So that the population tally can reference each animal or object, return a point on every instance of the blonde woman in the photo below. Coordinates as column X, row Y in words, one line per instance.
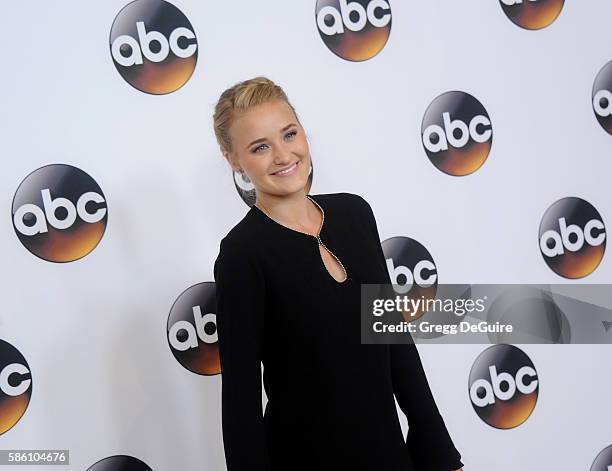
column 288, row 281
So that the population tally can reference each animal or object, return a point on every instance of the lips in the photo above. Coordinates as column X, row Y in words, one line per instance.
column 286, row 171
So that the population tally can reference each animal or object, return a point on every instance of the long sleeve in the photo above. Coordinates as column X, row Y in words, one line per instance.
column 240, row 309
column 428, row 440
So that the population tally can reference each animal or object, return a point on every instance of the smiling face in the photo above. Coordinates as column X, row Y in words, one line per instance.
column 267, row 139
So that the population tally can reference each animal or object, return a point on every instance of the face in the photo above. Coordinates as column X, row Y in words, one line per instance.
column 266, row 139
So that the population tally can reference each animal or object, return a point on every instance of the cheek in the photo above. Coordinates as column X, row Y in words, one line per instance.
column 260, row 166
column 254, row 164
column 301, row 146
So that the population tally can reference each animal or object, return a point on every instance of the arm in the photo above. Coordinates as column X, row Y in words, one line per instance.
column 428, row 440
column 240, row 309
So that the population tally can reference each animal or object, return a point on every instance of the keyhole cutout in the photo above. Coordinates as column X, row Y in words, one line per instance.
column 332, row 265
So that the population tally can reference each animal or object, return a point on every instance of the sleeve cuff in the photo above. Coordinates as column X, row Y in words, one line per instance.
column 432, row 452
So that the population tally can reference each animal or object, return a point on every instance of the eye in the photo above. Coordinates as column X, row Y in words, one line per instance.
column 256, row 149
column 289, row 136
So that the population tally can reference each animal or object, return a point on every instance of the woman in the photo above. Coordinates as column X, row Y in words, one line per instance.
column 288, row 281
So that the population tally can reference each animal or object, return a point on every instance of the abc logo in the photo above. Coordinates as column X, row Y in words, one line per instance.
column 572, row 237
column 602, row 97
column 456, row 133
column 411, row 269
column 15, row 386
column 119, row 462
column 153, row 46
column 603, row 462
column 532, row 14
column 246, row 190
column 503, row 386
column 192, row 330
column 59, row 213
column 355, row 30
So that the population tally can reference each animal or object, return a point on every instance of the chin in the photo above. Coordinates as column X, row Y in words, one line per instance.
column 289, row 187
column 297, row 184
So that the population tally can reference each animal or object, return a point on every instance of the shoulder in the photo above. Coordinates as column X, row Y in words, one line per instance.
column 354, row 209
column 236, row 263
column 236, row 247
column 245, row 234
column 345, row 201
column 243, row 229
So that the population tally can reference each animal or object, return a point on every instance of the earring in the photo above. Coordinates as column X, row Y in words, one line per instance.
column 244, row 176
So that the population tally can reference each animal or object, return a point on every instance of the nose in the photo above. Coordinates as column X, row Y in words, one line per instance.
column 282, row 156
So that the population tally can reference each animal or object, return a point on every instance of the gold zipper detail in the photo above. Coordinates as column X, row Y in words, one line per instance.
column 318, row 237
column 333, row 255
column 321, row 243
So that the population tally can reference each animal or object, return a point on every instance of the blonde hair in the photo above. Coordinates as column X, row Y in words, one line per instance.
column 239, row 98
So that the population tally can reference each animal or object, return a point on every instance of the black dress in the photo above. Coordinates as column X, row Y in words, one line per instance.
column 330, row 398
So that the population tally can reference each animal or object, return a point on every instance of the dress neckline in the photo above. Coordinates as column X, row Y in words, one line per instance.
column 317, row 237
column 311, row 236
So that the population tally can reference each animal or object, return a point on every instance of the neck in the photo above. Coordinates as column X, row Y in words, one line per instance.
column 292, row 210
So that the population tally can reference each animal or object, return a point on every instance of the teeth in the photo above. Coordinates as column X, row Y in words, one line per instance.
column 282, row 172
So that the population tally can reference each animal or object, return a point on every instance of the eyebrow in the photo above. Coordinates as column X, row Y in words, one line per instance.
column 256, row 141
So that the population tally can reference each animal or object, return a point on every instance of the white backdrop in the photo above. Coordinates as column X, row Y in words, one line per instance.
column 93, row 331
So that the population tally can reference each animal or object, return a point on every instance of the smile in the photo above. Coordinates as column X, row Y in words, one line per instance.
column 288, row 171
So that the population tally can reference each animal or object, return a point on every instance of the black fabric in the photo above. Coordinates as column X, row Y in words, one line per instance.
column 330, row 399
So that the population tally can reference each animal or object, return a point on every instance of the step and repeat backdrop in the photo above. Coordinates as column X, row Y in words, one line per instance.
column 479, row 131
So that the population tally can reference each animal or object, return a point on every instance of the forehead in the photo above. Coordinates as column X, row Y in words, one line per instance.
column 262, row 120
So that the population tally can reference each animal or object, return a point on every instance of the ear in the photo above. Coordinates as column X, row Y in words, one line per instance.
column 230, row 160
